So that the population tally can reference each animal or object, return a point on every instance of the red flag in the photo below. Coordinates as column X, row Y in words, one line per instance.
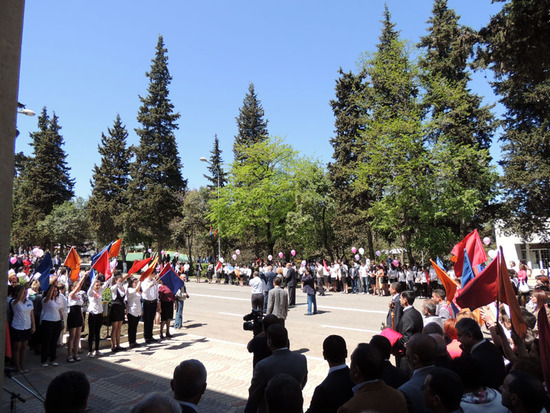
column 218, row 266
column 448, row 283
column 544, row 345
column 482, row 290
column 138, row 265
column 325, row 265
column 150, row 269
column 507, row 295
column 73, row 262
column 103, row 266
column 8, row 341
column 114, row 251
column 473, row 245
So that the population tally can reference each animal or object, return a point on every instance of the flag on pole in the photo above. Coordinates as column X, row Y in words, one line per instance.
column 149, row 269
column 73, row 262
column 170, row 279
column 210, row 233
column 482, row 290
column 139, row 264
column 507, row 295
column 218, row 266
column 114, row 251
column 467, row 271
column 102, row 265
column 473, row 245
column 216, row 232
column 326, row 267
column 44, row 269
column 448, row 283
column 440, row 263
column 95, row 258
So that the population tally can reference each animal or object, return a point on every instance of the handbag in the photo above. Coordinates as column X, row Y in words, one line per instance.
column 523, row 287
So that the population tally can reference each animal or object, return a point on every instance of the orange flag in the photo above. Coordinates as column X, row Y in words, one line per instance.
column 73, row 261
column 448, row 283
column 114, row 251
column 150, row 269
column 507, row 295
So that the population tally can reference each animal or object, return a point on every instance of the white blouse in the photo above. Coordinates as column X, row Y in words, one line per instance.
column 133, row 302
column 22, row 313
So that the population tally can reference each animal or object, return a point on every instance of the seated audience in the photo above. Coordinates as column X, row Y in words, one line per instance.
column 67, row 393
column 157, row 403
column 392, row 376
column 283, row 394
column 443, row 391
column 189, row 384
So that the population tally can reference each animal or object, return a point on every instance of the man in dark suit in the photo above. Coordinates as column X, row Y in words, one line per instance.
column 335, row 390
column 281, row 361
column 189, row 384
column 396, row 311
column 421, row 352
column 290, row 279
column 269, row 277
column 484, row 352
column 392, row 376
column 411, row 322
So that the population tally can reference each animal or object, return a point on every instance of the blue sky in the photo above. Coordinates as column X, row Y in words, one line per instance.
column 87, row 61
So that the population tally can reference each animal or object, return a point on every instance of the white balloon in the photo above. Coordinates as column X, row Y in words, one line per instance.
column 40, row 253
column 361, row 250
column 492, row 253
column 221, row 259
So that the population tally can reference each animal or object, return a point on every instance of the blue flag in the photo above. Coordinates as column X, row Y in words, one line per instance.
column 171, row 280
column 467, row 271
column 440, row 264
column 44, row 270
column 230, row 268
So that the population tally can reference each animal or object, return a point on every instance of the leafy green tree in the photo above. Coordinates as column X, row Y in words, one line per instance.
column 43, row 183
column 309, row 225
column 252, row 127
column 215, row 167
column 107, row 206
column 67, row 224
column 254, row 204
column 515, row 47
column 460, row 128
column 156, row 188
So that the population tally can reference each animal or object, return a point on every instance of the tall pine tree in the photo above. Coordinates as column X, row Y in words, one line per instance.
column 215, row 167
column 460, row 128
column 252, row 127
column 108, row 203
column 44, row 183
column 394, row 162
column 350, row 225
column 157, row 187
column 516, row 45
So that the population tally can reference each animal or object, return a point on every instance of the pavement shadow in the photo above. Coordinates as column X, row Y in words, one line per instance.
column 196, row 325
column 115, row 385
column 301, row 351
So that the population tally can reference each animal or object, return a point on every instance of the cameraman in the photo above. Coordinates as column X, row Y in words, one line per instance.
column 258, row 345
column 258, row 290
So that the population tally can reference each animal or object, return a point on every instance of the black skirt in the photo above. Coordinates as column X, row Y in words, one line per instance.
column 166, row 310
column 117, row 312
column 74, row 319
column 19, row 335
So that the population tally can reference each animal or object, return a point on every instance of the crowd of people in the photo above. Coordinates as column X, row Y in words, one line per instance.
column 442, row 360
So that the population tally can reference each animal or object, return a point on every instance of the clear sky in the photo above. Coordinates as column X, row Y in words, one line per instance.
column 87, row 61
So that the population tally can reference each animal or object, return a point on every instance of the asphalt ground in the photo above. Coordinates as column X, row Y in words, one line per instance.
column 213, row 334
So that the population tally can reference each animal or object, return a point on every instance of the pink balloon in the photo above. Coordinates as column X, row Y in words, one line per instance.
column 357, row 257
column 238, row 252
column 378, row 253
column 162, row 252
column 395, row 263
column 13, row 260
column 234, row 256
column 270, row 257
column 293, row 253
column 353, row 250
column 281, row 255
column 486, row 240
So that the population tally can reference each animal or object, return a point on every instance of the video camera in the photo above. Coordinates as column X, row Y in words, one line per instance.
column 253, row 322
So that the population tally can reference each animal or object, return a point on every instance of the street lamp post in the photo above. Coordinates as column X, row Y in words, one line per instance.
column 203, row 159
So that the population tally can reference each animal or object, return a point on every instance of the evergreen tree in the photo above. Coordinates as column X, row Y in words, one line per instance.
column 460, row 127
column 394, row 162
column 215, row 166
column 43, row 183
column 157, row 186
column 252, row 128
column 516, row 45
column 108, row 203
column 349, row 224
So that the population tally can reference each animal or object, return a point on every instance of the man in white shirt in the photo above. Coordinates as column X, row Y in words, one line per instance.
column 258, row 289
column 149, row 294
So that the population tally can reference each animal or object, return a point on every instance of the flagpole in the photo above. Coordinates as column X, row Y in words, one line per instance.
column 499, row 257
